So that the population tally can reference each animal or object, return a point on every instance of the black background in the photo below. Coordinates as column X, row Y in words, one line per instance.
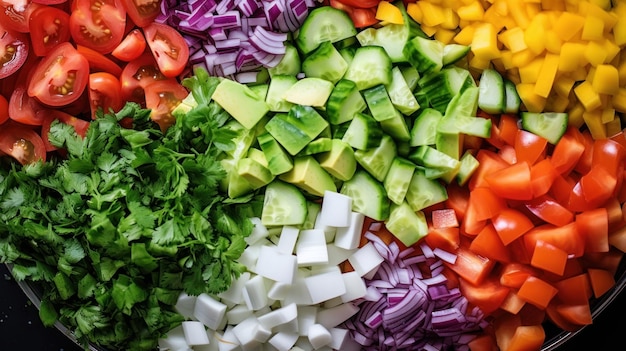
column 21, row 329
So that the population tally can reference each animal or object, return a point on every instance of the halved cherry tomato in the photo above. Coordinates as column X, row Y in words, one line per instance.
column 15, row 17
column 161, row 97
column 99, row 62
column 14, row 49
column 136, row 75
column 364, row 4
column 24, row 108
column 98, row 24
column 4, row 109
column 104, row 93
column 60, row 77
column 131, row 47
column 142, row 13
column 79, row 125
column 49, row 26
column 168, row 47
column 22, row 143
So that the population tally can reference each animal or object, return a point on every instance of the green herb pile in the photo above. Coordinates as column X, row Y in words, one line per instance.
column 116, row 230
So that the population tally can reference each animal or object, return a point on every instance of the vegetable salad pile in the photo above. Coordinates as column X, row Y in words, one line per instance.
column 167, row 169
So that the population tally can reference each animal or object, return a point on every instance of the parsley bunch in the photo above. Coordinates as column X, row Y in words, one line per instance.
column 116, row 230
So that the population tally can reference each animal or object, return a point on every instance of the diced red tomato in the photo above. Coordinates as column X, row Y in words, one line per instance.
column 104, row 93
column 142, row 13
column 488, row 244
column 168, row 47
column 488, row 295
column 568, row 151
column 161, row 97
column 529, row 147
column 549, row 210
column 512, row 182
column 471, row 266
column 48, row 27
column 514, row 274
column 22, row 143
column 537, row 292
column 131, row 47
column 511, row 224
column 4, row 109
column 98, row 24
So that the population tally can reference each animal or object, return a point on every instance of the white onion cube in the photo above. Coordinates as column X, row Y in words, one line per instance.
column 355, row 286
column 279, row 316
column 209, row 311
column 349, row 237
column 332, row 317
column 237, row 314
column 234, row 294
column 319, row 336
column 255, row 293
column 174, row 339
column 195, row 333
column 336, row 209
column 284, row 341
column 251, row 334
column 279, row 291
column 325, row 286
column 311, row 247
column 366, row 259
column 340, row 337
column 227, row 341
column 259, row 231
column 277, row 266
column 336, row 255
column 288, row 238
column 185, row 305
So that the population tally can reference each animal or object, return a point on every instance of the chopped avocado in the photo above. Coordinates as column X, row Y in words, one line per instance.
column 254, row 172
column 339, row 161
column 307, row 174
column 309, row 91
column 294, row 130
column 240, row 102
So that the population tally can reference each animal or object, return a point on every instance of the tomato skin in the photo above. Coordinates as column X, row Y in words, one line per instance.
column 488, row 295
column 529, row 147
column 512, row 182
column 168, row 47
column 549, row 210
column 131, row 47
column 14, row 48
column 142, row 13
column 136, row 75
column 91, row 18
column 22, row 143
column 104, row 93
column 4, row 109
column 64, row 65
column 161, row 97
column 363, row 4
column 99, row 62
column 48, row 26
column 79, row 125
column 16, row 20
column 23, row 108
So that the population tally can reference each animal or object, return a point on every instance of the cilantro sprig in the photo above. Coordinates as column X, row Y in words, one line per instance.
column 129, row 219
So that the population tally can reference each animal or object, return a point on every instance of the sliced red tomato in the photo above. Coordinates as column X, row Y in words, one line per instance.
column 136, row 75
column 16, row 17
column 564, row 237
column 99, row 62
column 60, row 77
column 98, row 24
column 142, row 13
column 574, row 290
column 161, row 98
column 4, row 109
column 488, row 244
column 514, row 274
column 23, row 108
column 22, row 143
column 104, row 93
column 49, row 26
column 168, row 47
column 568, row 151
column 131, row 47
column 14, row 49
column 364, row 4
column 79, row 125
column 470, row 266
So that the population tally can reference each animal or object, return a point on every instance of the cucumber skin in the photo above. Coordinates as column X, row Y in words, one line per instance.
column 310, row 37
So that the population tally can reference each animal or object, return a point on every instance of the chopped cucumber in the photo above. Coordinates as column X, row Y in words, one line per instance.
column 325, row 62
column 426, row 55
column 452, row 53
column 324, row 24
column 491, row 95
column 279, row 84
column 344, row 102
column 363, row 132
column 396, row 127
column 549, row 125
column 370, row 66
column 368, row 195
column 378, row 160
column 407, row 225
column 398, row 178
column 401, row 94
column 289, row 64
column 283, row 204
column 512, row 99
column 424, row 192
column 424, row 128
column 278, row 160
column 379, row 103
column 294, row 130
column 442, row 86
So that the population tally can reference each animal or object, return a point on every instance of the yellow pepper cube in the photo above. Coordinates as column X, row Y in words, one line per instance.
column 534, row 35
column 613, row 127
column 518, row 13
column 571, row 57
column 444, row 35
column 553, row 42
column 593, row 121
column 611, row 49
column 513, row 39
column 464, row 37
column 556, row 103
column 619, row 30
column 608, row 114
column 388, row 12
column 532, row 101
column 569, row 25
column 608, row 18
column 595, row 53
column 485, row 42
column 415, row 12
column 472, row 12
column 618, row 101
column 587, row 96
column 522, row 58
column 593, row 28
column 433, row 14
column 575, row 115
column 529, row 73
column 547, row 73
column 563, row 85
column 553, row 5
column 605, row 79
column 451, row 19
column 506, row 58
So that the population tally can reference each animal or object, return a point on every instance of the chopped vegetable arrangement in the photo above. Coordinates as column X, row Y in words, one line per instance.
column 295, row 174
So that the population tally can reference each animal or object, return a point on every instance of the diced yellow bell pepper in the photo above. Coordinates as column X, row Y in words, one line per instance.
column 613, row 127
column 563, row 85
column 529, row 73
column 553, row 5
column 557, row 103
column 619, row 30
column 517, row 12
column 608, row 114
column 445, row 35
column 432, row 13
column 451, row 19
column 522, row 58
column 513, row 39
column 472, row 12
column 485, row 41
column 593, row 28
column 553, row 42
column 605, row 79
column 569, row 25
column 464, row 37
column 575, row 115
column 571, row 57
column 593, row 121
column 532, row 101
column 548, row 71
column 587, row 96
column 389, row 13
column 534, row 35
column 611, row 49
column 594, row 53
column 415, row 12
column 619, row 100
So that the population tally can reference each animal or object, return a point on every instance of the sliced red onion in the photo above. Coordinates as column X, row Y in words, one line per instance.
column 409, row 306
